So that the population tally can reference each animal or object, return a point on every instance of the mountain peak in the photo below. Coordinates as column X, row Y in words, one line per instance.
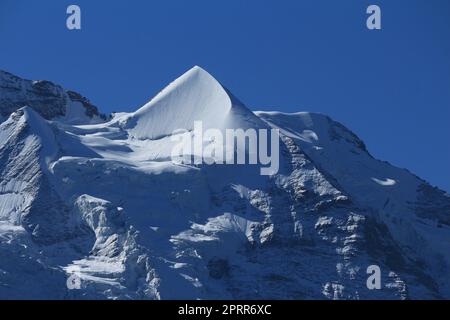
column 194, row 96
column 197, row 68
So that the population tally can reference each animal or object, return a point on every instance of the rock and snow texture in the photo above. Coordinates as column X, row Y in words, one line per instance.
column 104, row 203
column 195, row 96
column 49, row 100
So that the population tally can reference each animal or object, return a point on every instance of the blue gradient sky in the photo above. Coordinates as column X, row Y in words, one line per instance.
column 391, row 87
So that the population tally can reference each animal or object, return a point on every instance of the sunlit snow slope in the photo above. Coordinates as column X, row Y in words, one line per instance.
column 101, row 201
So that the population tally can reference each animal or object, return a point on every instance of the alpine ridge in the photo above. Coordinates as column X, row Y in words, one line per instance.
column 98, row 199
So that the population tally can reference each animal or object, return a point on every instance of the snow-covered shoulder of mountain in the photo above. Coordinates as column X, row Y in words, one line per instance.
column 392, row 193
column 103, row 202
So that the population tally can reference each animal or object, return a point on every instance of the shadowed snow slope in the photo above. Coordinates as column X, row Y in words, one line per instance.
column 105, row 204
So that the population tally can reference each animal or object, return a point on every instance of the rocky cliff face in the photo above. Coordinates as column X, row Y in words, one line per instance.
column 51, row 101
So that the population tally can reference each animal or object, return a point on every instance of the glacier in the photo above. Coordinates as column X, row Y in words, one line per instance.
column 98, row 198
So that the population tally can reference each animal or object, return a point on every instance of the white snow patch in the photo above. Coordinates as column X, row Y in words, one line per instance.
column 386, row 182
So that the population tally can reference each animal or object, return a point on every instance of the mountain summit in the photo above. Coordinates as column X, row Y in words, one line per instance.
column 99, row 202
column 194, row 96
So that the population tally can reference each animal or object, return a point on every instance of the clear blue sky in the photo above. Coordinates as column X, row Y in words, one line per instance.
column 391, row 87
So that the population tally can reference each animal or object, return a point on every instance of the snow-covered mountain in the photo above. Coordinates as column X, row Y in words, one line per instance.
column 99, row 201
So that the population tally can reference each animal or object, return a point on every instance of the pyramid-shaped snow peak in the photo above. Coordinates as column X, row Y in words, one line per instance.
column 195, row 96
